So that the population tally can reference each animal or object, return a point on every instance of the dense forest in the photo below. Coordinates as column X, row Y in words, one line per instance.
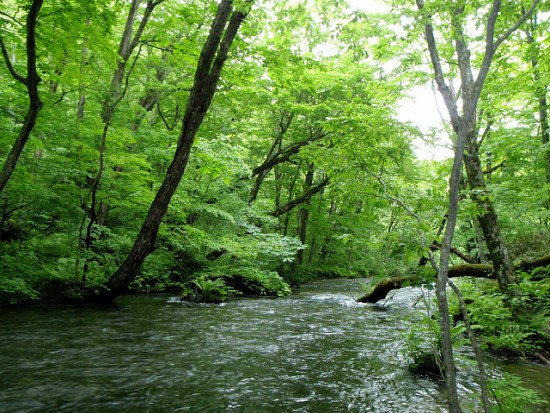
column 216, row 149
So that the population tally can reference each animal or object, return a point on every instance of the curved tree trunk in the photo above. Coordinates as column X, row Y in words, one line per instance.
column 211, row 62
column 31, row 82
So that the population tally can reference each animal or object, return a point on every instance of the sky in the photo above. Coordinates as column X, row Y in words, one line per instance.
column 375, row 6
column 424, row 108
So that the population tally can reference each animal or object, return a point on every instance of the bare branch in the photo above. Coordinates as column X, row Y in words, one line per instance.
column 300, row 200
column 448, row 96
column 520, row 21
column 11, row 69
column 63, row 94
column 12, row 18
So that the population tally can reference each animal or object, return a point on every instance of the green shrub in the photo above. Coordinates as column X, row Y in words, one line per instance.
column 248, row 280
column 510, row 396
column 508, row 324
column 210, row 290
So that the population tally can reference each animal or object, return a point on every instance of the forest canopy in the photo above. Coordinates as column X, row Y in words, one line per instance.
column 261, row 138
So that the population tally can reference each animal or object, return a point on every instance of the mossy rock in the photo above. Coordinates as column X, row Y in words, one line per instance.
column 425, row 364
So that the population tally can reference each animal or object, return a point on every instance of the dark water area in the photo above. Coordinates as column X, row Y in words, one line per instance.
column 315, row 351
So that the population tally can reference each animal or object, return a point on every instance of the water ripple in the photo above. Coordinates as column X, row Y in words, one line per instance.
column 315, row 351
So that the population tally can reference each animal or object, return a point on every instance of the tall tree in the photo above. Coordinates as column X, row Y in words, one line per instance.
column 31, row 81
column 541, row 92
column 128, row 43
column 304, row 213
column 224, row 28
column 463, row 122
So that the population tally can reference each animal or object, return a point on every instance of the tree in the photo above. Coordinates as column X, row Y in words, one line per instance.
column 541, row 91
column 211, row 61
column 31, row 81
column 119, row 84
column 464, row 127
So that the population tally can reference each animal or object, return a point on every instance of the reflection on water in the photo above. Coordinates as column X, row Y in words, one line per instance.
column 317, row 351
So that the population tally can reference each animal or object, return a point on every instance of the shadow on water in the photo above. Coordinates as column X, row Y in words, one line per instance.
column 316, row 351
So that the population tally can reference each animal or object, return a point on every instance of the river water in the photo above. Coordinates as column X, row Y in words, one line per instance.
column 315, row 351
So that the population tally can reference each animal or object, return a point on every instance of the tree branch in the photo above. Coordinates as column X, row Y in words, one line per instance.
column 11, row 69
column 520, row 21
column 284, row 154
column 300, row 200
column 446, row 92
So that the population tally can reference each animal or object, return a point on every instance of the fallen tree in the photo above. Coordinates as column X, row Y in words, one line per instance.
column 381, row 289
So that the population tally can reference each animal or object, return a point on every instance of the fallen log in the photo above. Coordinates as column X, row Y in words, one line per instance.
column 471, row 270
column 530, row 265
column 381, row 290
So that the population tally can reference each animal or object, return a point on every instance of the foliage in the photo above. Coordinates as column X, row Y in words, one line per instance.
column 250, row 280
column 310, row 94
column 159, row 273
column 210, row 290
column 422, row 340
column 217, row 284
column 509, row 325
column 422, row 344
column 335, row 76
column 511, row 397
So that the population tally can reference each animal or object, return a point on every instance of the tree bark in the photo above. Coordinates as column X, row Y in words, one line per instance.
column 81, row 88
column 529, row 265
column 211, row 62
column 305, row 197
column 471, row 90
column 304, row 215
column 291, row 188
column 31, row 81
column 381, row 289
column 488, row 221
column 117, row 90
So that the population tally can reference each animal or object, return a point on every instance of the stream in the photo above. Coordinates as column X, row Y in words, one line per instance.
column 315, row 351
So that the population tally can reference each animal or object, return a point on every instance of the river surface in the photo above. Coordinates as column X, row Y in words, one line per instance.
column 315, row 351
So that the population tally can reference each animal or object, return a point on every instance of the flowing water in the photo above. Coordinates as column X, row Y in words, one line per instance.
column 315, row 351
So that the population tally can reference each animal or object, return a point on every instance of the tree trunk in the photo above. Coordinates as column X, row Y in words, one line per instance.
column 497, row 249
column 541, row 96
column 81, row 88
column 479, row 240
column 462, row 124
column 117, row 91
column 31, row 82
column 304, row 215
column 291, row 188
column 211, row 61
column 381, row 289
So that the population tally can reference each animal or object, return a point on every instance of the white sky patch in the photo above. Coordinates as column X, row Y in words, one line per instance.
column 427, row 111
column 371, row 6
column 423, row 108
